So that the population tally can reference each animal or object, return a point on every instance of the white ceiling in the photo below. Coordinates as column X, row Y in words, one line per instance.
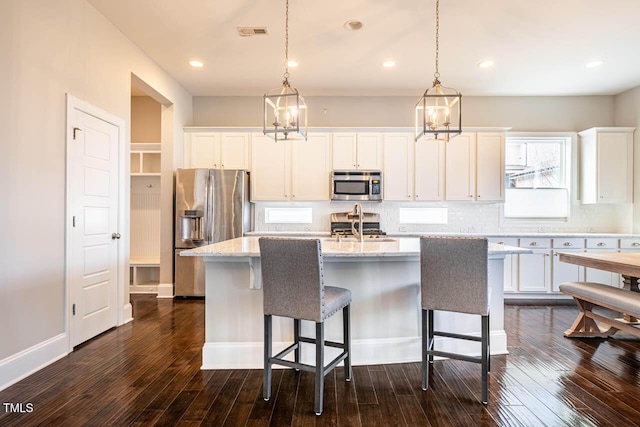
column 540, row 47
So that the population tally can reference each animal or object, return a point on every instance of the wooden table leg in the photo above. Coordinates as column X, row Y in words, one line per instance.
column 630, row 283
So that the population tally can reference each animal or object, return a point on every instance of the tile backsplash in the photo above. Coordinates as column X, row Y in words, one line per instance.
column 462, row 217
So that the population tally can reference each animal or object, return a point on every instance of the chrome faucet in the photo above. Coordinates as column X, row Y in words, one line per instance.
column 357, row 212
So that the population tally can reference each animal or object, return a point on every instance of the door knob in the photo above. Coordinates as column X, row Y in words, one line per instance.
column 115, row 236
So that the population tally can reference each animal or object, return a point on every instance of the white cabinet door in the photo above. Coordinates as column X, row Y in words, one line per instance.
column 369, row 151
column 398, row 166
column 606, row 165
column 270, row 169
column 615, row 168
column 490, row 167
column 311, row 168
column 534, row 271
column 565, row 272
column 202, row 150
column 510, row 264
column 602, row 276
column 429, row 169
column 234, row 151
column 344, row 151
column 460, row 167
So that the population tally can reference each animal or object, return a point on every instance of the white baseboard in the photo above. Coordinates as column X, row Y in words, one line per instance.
column 249, row 355
column 127, row 314
column 165, row 290
column 22, row 364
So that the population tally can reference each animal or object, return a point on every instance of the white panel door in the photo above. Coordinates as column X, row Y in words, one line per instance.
column 234, row 151
column 564, row 271
column 398, row 166
column 311, row 168
column 490, row 167
column 534, row 271
column 93, row 247
column 615, row 154
column 204, row 151
column 344, row 151
column 460, row 167
column 270, row 175
column 429, row 167
column 369, row 151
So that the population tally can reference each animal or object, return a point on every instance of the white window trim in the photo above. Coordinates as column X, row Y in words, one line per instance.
column 571, row 174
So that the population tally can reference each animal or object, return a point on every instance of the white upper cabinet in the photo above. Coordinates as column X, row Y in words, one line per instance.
column 290, row 170
column 460, row 155
column 311, row 168
column 398, row 166
column 269, row 169
column 429, row 170
column 607, row 165
column 357, row 151
column 475, row 167
column 217, row 150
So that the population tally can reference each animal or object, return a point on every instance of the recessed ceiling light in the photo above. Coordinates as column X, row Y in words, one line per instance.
column 292, row 63
column 595, row 63
column 389, row 63
column 197, row 64
column 486, row 64
column 352, row 25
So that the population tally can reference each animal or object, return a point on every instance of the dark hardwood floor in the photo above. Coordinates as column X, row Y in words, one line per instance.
column 148, row 373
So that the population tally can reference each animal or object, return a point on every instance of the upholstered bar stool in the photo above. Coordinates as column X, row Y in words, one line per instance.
column 454, row 277
column 293, row 286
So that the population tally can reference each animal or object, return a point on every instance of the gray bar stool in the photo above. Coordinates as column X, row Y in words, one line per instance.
column 293, row 286
column 454, row 277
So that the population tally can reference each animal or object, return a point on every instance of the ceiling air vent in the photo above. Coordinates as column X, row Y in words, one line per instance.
column 252, row 31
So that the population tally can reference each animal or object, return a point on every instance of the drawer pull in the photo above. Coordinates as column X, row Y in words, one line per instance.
column 501, row 243
column 533, row 244
column 568, row 244
column 601, row 244
column 635, row 244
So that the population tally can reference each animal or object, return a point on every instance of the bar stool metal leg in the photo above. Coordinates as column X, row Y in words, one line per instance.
column 319, row 367
column 346, row 321
column 296, row 340
column 425, row 347
column 485, row 358
column 266, row 393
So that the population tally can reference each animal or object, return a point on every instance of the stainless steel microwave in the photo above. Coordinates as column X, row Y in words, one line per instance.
column 356, row 185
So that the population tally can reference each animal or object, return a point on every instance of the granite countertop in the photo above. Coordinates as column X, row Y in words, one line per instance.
column 584, row 235
column 397, row 247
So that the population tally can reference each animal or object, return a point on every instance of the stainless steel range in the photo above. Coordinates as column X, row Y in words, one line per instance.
column 341, row 224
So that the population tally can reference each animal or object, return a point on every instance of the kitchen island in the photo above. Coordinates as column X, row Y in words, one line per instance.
column 384, row 278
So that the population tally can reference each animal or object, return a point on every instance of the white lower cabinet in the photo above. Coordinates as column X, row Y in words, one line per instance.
column 510, row 263
column 602, row 276
column 562, row 271
column 534, row 269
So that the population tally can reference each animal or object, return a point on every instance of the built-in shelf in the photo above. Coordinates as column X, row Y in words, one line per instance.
column 144, row 276
column 145, row 160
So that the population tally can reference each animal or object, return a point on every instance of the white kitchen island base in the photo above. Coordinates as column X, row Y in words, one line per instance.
column 385, row 310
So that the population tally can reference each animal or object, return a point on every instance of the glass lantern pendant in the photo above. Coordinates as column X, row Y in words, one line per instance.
column 285, row 112
column 439, row 111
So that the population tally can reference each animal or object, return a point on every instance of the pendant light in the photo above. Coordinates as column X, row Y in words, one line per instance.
column 285, row 112
column 439, row 111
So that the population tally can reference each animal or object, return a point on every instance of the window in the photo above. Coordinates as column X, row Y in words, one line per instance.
column 288, row 215
column 536, row 177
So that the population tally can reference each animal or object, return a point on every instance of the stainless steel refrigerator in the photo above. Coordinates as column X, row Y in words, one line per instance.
column 211, row 205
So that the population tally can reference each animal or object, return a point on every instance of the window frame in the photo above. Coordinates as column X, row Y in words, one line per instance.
column 569, row 155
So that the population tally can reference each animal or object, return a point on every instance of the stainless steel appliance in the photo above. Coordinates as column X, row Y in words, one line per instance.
column 210, row 206
column 341, row 224
column 356, row 185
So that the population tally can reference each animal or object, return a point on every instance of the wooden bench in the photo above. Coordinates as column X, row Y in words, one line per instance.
column 588, row 295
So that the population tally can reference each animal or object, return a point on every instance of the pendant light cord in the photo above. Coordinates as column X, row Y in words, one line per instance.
column 286, row 45
column 437, row 73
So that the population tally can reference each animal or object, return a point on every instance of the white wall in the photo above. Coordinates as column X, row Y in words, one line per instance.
column 49, row 48
column 561, row 113
column 145, row 119
column 627, row 113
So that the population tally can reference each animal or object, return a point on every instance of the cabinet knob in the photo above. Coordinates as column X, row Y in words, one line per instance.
column 478, row 196
column 222, row 165
column 602, row 197
column 470, row 195
column 358, row 165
